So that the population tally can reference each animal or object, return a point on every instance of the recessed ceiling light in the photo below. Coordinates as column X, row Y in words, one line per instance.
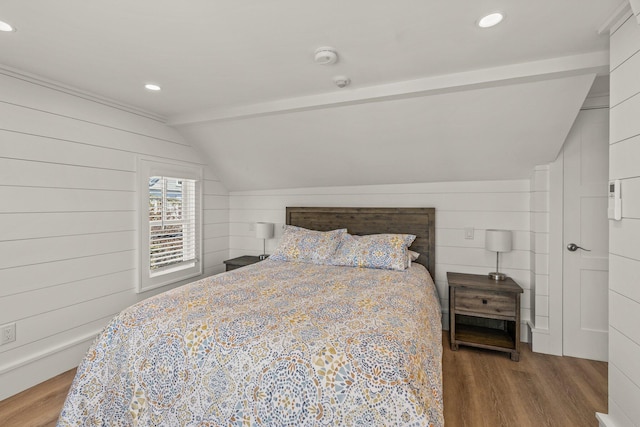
column 153, row 87
column 490, row 20
column 6, row 27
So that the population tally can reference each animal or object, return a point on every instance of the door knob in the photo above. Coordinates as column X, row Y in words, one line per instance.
column 572, row 247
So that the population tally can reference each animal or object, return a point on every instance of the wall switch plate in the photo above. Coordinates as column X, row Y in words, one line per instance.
column 468, row 233
column 7, row 333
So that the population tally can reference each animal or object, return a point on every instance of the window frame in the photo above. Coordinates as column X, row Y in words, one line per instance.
column 159, row 167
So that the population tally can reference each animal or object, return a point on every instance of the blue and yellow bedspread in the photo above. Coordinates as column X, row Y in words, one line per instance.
column 272, row 344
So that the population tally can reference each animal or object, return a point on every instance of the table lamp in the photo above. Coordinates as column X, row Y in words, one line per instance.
column 498, row 241
column 264, row 231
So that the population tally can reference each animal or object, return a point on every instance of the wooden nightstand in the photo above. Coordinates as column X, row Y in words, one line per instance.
column 484, row 313
column 241, row 261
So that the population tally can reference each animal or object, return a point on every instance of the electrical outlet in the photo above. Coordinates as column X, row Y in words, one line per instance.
column 468, row 233
column 7, row 333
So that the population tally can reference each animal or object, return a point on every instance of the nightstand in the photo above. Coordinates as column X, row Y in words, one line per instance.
column 241, row 261
column 484, row 313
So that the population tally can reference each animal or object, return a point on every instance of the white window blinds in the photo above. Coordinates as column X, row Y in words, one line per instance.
column 170, row 223
column 172, row 217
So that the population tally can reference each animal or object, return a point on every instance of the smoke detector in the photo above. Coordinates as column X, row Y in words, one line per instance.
column 341, row 81
column 326, row 56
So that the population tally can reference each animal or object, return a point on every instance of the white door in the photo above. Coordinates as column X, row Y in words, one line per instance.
column 585, row 274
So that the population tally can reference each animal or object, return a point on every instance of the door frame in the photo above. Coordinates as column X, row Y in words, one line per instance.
column 556, row 254
column 549, row 340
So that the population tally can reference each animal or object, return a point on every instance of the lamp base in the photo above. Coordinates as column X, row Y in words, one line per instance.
column 497, row 276
column 263, row 257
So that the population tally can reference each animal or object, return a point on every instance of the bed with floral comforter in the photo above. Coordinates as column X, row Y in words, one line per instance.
column 271, row 344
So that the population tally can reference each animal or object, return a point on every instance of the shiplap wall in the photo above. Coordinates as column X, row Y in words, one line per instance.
column 540, row 248
column 479, row 205
column 68, row 224
column 624, row 235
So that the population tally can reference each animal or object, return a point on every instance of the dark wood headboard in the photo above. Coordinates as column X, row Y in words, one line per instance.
column 361, row 221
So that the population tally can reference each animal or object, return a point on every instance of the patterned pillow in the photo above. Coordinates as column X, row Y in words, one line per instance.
column 385, row 251
column 300, row 244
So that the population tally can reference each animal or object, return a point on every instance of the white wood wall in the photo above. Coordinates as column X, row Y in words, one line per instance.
column 480, row 205
column 540, row 248
column 68, row 222
column 624, row 240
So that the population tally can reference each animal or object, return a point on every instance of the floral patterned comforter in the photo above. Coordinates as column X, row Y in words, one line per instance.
column 271, row 344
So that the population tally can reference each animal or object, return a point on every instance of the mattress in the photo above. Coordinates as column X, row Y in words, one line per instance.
column 271, row 344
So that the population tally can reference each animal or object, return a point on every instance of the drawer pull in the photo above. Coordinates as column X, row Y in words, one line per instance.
column 484, row 301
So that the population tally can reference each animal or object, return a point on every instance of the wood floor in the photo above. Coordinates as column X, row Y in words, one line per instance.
column 481, row 388
column 37, row 406
column 484, row 388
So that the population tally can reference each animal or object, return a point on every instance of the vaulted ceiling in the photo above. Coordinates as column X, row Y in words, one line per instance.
column 432, row 97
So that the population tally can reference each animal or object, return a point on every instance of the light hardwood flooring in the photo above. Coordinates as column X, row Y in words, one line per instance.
column 481, row 388
column 38, row 406
column 485, row 388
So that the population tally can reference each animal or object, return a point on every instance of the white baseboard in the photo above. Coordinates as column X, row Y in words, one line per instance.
column 540, row 340
column 604, row 420
column 36, row 368
column 524, row 332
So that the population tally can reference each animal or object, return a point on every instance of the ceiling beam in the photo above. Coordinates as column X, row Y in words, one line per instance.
column 595, row 62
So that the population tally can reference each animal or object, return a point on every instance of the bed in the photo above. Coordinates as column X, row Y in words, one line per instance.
column 278, row 343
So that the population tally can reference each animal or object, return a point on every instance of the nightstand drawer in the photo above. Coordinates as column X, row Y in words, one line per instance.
column 485, row 303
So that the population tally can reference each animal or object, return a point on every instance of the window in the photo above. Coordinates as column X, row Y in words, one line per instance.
column 170, row 223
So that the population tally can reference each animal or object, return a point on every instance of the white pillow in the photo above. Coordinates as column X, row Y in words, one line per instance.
column 411, row 256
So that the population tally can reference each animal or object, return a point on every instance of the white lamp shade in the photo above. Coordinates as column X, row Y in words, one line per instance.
column 264, row 230
column 498, row 240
